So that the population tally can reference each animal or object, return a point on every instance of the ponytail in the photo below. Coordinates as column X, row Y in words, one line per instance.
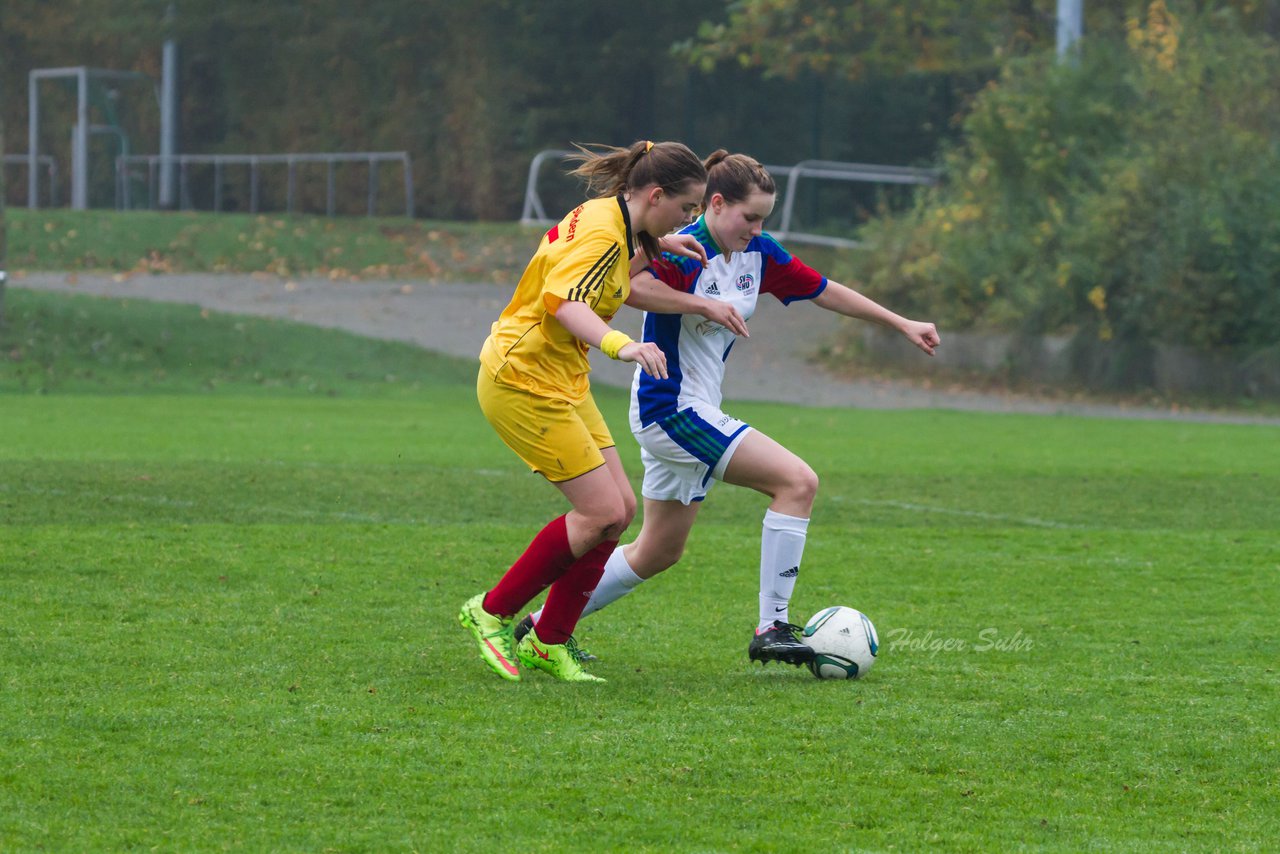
column 609, row 171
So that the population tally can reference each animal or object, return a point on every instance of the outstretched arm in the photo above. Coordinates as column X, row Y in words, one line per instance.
column 843, row 300
column 649, row 294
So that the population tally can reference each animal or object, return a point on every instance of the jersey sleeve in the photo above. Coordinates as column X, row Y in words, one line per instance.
column 676, row 271
column 786, row 276
column 581, row 274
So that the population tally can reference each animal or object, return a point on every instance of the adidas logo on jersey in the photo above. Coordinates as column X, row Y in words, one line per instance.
column 711, row 290
column 790, row 573
column 708, row 327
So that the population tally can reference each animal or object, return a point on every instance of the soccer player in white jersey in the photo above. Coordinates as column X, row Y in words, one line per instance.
column 686, row 441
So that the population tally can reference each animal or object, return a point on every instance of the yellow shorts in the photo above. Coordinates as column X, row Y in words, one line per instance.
column 555, row 438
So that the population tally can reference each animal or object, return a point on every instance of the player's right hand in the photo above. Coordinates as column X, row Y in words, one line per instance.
column 647, row 355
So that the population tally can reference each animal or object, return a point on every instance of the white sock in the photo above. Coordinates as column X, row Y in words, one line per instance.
column 617, row 581
column 781, row 548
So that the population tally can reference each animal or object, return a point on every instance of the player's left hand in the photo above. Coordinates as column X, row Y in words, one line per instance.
column 683, row 244
column 726, row 315
column 923, row 335
column 647, row 355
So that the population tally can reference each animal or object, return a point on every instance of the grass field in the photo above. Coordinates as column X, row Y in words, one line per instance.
column 143, row 242
column 232, row 551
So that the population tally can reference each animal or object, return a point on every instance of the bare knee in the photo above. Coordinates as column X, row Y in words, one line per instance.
column 807, row 485
column 620, row 519
column 628, row 510
column 608, row 520
column 799, row 489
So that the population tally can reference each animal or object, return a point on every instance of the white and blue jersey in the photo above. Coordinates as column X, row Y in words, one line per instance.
column 681, row 413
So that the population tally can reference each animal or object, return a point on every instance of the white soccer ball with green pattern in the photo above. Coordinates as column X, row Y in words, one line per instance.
column 844, row 643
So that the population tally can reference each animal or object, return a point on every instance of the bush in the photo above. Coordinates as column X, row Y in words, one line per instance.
column 1132, row 195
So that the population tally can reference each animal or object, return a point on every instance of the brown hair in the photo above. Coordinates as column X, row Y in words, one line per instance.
column 609, row 171
column 735, row 176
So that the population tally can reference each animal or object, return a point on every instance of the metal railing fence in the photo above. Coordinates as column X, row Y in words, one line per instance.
column 47, row 165
column 534, row 213
column 125, row 175
column 831, row 170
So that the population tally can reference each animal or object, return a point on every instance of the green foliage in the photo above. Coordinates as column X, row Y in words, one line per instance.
column 470, row 90
column 787, row 38
column 227, row 621
column 868, row 37
column 1133, row 195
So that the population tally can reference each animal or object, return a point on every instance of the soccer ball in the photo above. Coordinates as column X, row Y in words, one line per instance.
column 844, row 643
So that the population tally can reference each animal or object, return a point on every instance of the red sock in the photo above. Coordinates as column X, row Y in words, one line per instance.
column 545, row 560
column 570, row 593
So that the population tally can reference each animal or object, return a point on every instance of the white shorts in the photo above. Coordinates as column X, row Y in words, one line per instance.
column 685, row 452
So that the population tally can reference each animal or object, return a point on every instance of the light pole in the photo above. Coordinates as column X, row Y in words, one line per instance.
column 168, row 113
column 4, row 234
column 1070, row 26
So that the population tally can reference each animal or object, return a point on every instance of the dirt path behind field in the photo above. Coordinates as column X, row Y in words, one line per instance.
column 454, row 319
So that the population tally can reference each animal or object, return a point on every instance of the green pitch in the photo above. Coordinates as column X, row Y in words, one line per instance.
column 228, row 587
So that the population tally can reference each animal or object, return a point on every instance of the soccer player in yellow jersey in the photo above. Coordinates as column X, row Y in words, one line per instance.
column 534, row 390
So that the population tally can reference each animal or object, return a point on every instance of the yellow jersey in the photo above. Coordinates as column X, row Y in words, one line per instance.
column 586, row 257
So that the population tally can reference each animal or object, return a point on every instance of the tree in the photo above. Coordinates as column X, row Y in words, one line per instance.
column 871, row 37
column 1133, row 197
column 886, row 37
column 4, row 234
